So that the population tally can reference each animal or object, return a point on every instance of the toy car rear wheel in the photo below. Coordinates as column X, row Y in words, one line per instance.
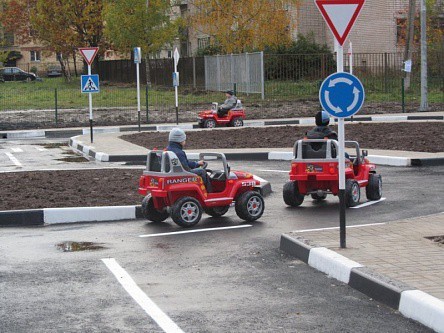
column 250, row 206
column 373, row 189
column 186, row 212
column 237, row 122
column 217, row 211
column 352, row 193
column 150, row 212
column 318, row 197
column 291, row 194
column 209, row 123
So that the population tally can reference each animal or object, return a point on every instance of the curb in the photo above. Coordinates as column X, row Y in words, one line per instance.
column 257, row 156
column 411, row 302
column 63, row 133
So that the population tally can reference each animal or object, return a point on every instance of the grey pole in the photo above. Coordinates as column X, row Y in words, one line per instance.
column 424, row 98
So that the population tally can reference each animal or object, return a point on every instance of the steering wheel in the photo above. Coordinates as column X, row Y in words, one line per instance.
column 204, row 166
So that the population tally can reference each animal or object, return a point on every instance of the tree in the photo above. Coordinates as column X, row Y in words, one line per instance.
column 243, row 25
column 140, row 23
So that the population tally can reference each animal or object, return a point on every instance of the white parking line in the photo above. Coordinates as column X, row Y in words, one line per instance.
column 271, row 170
column 14, row 160
column 196, row 230
column 17, row 150
column 368, row 203
column 41, row 148
column 349, row 226
column 140, row 297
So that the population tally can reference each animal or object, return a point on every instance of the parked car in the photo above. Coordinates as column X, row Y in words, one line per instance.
column 54, row 71
column 16, row 74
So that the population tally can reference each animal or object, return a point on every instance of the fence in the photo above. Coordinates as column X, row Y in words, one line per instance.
column 290, row 90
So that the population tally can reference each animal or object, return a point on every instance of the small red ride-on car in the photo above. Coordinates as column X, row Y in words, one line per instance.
column 169, row 190
column 314, row 171
column 235, row 117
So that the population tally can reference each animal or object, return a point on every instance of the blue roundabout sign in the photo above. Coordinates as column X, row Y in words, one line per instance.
column 342, row 95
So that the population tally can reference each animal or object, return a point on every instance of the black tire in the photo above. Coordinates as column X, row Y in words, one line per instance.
column 237, row 122
column 291, row 194
column 250, row 206
column 317, row 197
column 352, row 193
column 150, row 212
column 217, row 211
column 373, row 189
column 209, row 123
column 201, row 125
column 186, row 212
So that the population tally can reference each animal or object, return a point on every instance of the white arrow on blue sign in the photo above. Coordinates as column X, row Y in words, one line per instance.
column 342, row 95
column 90, row 84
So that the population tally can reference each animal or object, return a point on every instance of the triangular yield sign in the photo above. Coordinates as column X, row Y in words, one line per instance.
column 340, row 15
column 89, row 53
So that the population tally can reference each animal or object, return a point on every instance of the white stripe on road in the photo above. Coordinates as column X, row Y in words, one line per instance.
column 349, row 226
column 368, row 203
column 17, row 150
column 14, row 160
column 140, row 297
column 271, row 170
column 196, row 230
column 41, row 148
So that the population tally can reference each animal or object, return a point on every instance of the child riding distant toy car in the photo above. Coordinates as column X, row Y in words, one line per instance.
column 314, row 171
column 210, row 118
column 169, row 190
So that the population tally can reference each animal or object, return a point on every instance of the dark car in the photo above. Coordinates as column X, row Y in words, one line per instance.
column 16, row 74
column 54, row 71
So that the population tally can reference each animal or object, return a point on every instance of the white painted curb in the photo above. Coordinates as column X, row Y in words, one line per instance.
column 389, row 160
column 280, row 156
column 101, row 130
column 422, row 307
column 392, row 118
column 170, row 127
column 254, row 124
column 88, row 214
column 332, row 263
column 102, row 157
column 25, row 134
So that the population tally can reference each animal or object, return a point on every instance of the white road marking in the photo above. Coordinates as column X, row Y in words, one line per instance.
column 14, row 160
column 271, row 170
column 334, row 228
column 17, row 150
column 368, row 203
column 196, row 230
column 140, row 297
column 41, row 148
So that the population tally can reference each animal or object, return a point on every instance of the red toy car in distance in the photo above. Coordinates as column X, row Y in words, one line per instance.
column 235, row 117
column 314, row 171
column 169, row 190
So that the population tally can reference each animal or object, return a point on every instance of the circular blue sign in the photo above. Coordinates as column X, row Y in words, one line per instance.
column 342, row 95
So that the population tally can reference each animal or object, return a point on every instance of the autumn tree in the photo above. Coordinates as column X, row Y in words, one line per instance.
column 140, row 23
column 244, row 25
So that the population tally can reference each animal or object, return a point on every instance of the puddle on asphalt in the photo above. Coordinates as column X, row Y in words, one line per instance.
column 78, row 246
column 437, row 239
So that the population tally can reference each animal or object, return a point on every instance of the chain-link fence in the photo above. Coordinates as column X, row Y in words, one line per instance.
column 290, row 90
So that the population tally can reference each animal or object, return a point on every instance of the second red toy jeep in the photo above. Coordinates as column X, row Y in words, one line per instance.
column 169, row 190
column 235, row 117
column 314, row 171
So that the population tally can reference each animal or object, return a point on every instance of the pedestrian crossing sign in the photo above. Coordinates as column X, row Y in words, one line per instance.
column 90, row 83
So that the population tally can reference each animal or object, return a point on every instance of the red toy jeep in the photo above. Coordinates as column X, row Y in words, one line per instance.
column 314, row 171
column 235, row 117
column 170, row 190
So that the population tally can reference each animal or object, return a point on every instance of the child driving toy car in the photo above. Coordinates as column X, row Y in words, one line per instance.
column 177, row 140
column 229, row 103
column 322, row 130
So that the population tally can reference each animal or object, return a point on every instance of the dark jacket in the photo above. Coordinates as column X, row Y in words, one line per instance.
column 321, row 132
column 177, row 149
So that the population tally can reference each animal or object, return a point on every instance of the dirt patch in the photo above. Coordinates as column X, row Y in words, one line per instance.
column 437, row 240
column 423, row 137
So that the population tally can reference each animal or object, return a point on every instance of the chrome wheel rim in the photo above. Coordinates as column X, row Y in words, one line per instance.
column 237, row 123
column 355, row 192
column 254, row 206
column 189, row 212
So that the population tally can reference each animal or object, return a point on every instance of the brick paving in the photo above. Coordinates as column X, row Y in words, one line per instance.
column 399, row 250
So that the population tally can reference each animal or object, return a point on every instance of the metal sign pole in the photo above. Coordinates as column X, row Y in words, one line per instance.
column 176, row 57
column 341, row 138
column 138, row 93
column 90, row 109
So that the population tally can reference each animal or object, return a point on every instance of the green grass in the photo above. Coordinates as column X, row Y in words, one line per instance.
column 41, row 95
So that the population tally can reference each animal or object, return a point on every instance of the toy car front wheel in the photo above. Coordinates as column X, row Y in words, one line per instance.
column 291, row 194
column 217, row 211
column 373, row 190
column 209, row 123
column 352, row 193
column 250, row 206
column 150, row 212
column 186, row 212
column 237, row 122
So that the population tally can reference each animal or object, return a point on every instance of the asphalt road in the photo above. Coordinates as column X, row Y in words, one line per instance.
column 230, row 280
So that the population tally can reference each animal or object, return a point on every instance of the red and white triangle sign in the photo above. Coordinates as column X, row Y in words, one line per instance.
column 89, row 53
column 340, row 15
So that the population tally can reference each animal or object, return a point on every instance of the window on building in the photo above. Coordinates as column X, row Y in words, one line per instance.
column 35, row 55
column 203, row 42
column 169, row 54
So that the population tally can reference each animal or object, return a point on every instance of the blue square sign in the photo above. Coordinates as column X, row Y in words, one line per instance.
column 90, row 83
